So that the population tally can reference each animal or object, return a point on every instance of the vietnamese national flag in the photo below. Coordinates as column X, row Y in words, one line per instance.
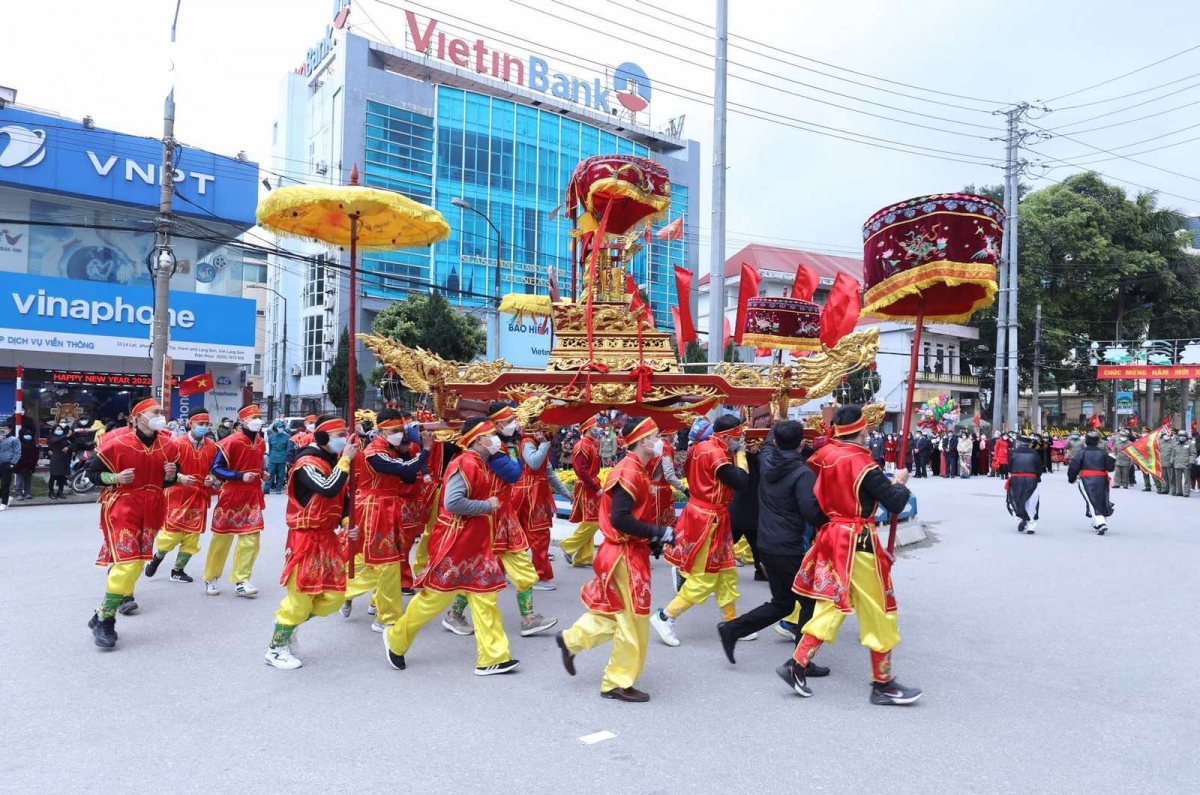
column 747, row 289
column 683, row 297
column 1096, row 422
column 196, row 384
column 672, row 231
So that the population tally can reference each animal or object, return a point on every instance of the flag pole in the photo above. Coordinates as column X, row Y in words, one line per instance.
column 908, row 401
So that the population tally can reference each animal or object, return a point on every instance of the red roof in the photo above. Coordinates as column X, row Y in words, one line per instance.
column 774, row 258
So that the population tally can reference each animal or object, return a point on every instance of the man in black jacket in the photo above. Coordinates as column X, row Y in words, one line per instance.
column 1090, row 467
column 788, row 515
column 1022, row 485
column 923, row 448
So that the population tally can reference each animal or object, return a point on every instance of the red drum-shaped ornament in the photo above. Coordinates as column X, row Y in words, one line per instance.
column 636, row 188
column 941, row 249
column 788, row 323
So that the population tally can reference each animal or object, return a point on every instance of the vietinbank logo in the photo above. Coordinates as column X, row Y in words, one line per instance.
column 630, row 83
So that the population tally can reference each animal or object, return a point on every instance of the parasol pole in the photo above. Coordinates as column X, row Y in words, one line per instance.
column 908, row 402
column 351, row 364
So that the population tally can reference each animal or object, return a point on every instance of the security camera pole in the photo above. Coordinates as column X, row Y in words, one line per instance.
column 164, row 258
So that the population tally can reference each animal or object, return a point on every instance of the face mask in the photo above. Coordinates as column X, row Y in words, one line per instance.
column 27, row 438
column 397, row 439
column 228, row 424
column 58, row 432
column 254, row 426
column 157, row 423
column 658, row 447
column 493, row 445
column 201, row 431
column 310, row 427
column 337, row 445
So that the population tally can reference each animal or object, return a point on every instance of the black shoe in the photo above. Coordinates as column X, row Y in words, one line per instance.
column 1102, row 529
column 127, row 607
column 728, row 641
column 812, row 669
column 152, row 566
column 893, row 693
column 408, row 591
column 499, row 668
column 179, row 575
column 791, row 673
column 1021, row 526
column 568, row 659
column 627, row 694
column 758, row 574
column 104, row 631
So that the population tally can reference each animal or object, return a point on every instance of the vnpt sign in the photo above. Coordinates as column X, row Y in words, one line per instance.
column 630, row 84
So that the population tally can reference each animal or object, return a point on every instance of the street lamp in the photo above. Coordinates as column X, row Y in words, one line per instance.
column 463, row 204
column 280, row 383
column 1121, row 313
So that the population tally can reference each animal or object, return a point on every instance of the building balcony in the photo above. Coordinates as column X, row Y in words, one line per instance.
column 948, row 379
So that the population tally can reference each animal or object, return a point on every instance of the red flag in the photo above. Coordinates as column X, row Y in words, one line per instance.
column 804, row 286
column 196, row 385
column 764, row 351
column 728, row 334
column 672, row 231
column 636, row 305
column 1096, row 422
column 552, row 285
column 683, row 295
column 646, row 235
column 747, row 289
column 978, row 419
column 840, row 313
column 1145, row 453
column 1167, row 421
column 678, row 329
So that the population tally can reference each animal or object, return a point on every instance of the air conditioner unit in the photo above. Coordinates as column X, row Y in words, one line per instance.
column 322, row 169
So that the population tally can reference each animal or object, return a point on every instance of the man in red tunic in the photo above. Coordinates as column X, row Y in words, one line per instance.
column 664, row 483
column 319, row 533
column 133, row 468
column 188, row 500
column 241, row 466
column 703, row 548
column 381, row 474
column 534, row 494
column 461, row 557
column 847, row 570
column 618, row 597
column 301, row 438
column 579, row 548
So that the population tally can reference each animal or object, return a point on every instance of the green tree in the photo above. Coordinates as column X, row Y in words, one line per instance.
column 694, row 354
column 337, row 383
column 429, row 321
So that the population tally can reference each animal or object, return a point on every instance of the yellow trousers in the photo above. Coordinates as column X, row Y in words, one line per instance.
column 122, row 577
column 188, row 543
column 629, row 633
column 243, row 557
column 297, row 607
column 385, row 580
column 581, row 545
column 519, row 568
column 422, row 558
column 700, row 585
column 491, row 644
column 878, row 629
column 743, row 552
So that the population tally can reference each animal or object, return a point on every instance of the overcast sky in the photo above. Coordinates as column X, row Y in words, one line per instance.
column 787, row 186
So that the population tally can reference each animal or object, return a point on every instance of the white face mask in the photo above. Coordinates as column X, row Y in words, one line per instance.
column 397, row 439
column 493, row 445
column 658, row 447
column 157, row 423
column 511, row 428
column 254, row 426
column 310, row 427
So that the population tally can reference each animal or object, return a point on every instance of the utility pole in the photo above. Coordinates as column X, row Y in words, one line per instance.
column 164, row 260
column 1014, row 191
column 716, row 278
column 998, row 401
column 1037, row 371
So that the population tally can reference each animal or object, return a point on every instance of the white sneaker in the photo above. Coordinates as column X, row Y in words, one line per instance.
column 380, row 628
column 371, row 610
column 346, row 608
column 211, row 589
column 3, row 506
column 282, row 658
column 665, row 627
column 246, row 589
column 751, row 636
column 545, row 585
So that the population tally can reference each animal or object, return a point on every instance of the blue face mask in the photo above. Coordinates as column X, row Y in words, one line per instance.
column 27, row 438
column 201, row 430
column 337, row 445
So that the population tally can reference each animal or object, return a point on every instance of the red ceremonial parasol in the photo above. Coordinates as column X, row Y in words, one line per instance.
column 932, row 258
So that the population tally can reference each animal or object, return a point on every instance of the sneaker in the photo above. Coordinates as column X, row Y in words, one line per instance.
column 128, row 606
column 1101, row 529
column 665, row 627
column 812, row 669
column 246, row 589
column 893, row 693
column 152, row 566
column 104, row 631
column 550, row 556
column 677, row 579
column 545, row 585
column 499, row 668
column 346, row 608
column 179, row 575
column 787, row 630
column 211, row 589
column 629, row 695
column 794, row 676
column 1031, row 527
column 404, row 591
column 371, row 610
column 394, row 660
column 1022, row 525
column 457, row 624
column 377, row 627
column 751, row 636
column 570, row 559
column 568, row 659
column 532, row 625
column 282, row 658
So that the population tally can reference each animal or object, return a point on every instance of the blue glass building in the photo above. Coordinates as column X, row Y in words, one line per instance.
column 437, row 132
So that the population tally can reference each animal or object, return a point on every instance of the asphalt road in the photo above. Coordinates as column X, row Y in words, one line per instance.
column 1057, row 663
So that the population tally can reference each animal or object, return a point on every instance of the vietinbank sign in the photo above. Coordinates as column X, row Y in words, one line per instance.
column 630, row 87
column 40, row 313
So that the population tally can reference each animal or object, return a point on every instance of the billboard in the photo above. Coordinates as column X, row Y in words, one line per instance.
column 525, row 342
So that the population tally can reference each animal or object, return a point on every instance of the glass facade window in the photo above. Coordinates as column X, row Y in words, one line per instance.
column 314, row 345
column 314, row 285
column 512, row 163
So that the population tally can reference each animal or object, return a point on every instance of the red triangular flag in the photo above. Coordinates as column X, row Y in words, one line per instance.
column 841, row 310
column 683, row 295
column 804, row 286
column 646, row 235
column 636, row 305
column 747, row 289
column 672, row 231
column 196, row 384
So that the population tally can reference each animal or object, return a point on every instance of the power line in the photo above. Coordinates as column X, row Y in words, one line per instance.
column 1115, row 154
column 1135, row 93
column 1126, row 74
column 1131, row 107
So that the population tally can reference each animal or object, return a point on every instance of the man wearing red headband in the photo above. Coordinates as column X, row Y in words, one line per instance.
column 509, row 541
column 664, row 483
column 461, row 559
column 301, row 438
column 319, row 532
column 580, row 547
column 534, row 496
column 845, row 569
column 382, row 473
column 703, row 549
column 133, row 468
column 189, row 499
column 241, row 466
column 618, row 597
